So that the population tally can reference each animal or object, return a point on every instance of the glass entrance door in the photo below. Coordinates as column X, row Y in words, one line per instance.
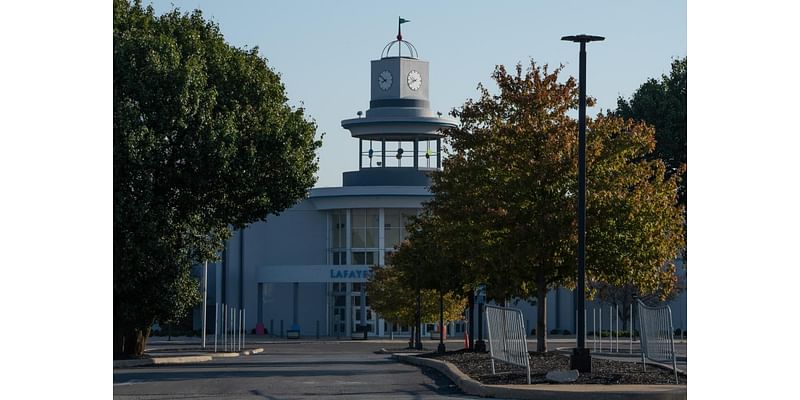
column 339, row 309
column 356, row 312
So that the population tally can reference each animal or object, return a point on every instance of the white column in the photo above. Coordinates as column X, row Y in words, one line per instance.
column 381, row 243
column 348, row 311
column 349, row 237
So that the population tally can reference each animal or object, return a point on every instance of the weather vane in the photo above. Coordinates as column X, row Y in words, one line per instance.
column 401, row 21
column 400, row 42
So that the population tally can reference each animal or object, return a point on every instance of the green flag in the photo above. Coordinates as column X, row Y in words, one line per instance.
column 403, row 20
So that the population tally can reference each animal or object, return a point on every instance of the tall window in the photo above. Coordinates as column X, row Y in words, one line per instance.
column 338, row 236
column 364, row 227
column 364, row 223
column 394, row 225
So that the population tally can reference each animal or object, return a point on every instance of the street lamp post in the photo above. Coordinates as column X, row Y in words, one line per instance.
column 205, row 300
column 581, row 358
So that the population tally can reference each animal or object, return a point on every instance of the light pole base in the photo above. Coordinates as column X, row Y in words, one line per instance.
column 581, row 360
column 441, row 348
column 480, row 346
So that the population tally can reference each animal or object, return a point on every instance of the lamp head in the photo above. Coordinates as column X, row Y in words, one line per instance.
column 583, row 38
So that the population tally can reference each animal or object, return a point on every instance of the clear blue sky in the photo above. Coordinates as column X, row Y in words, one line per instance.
column 322, row 49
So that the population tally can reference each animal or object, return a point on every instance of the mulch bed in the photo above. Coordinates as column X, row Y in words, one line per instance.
column 605, row 372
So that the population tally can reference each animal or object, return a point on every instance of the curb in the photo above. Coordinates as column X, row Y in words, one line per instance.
column 568, row 350
column 547, row 391
column 180, row 359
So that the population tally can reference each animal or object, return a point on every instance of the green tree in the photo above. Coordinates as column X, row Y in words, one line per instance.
column 662, row 104
column 509, row 187
column 203, row 142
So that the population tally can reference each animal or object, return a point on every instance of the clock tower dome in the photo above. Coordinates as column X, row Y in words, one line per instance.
column 399, row 136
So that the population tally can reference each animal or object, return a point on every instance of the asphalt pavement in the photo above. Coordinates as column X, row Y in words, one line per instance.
column 293, row 369
column 343, row 370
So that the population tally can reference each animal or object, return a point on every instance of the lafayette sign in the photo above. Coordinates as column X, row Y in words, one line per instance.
column 313, row 273
column 338, row 274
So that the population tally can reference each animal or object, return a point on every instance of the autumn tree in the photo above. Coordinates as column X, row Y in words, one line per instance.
column 441, row 268
column 424, row 265
column 204, row 141
column 395, row 300
column 509, row 187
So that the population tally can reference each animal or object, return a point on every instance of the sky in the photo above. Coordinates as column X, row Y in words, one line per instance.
column 322, row 49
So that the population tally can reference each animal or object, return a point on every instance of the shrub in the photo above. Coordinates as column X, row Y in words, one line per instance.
column 566, row 332
column 555, row 332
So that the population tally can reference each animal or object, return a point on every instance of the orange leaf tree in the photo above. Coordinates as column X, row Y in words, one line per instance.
column 507, row 194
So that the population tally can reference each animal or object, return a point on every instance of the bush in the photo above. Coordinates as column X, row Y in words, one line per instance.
column 566, row 332
column 555, row 332
column 533, row 332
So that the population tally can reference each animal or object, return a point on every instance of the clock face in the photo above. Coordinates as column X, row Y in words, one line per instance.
column 414, row 80
column 385, row 80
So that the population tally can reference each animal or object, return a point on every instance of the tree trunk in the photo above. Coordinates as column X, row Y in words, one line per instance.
column 411, row 338
column 119, row 344
column 541, row 317
column 134, row 342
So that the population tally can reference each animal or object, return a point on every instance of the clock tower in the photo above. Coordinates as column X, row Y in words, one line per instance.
column 399, row 136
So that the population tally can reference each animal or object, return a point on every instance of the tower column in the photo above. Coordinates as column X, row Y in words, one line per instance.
column 416, row 149
column 383, row 153
column 439, row 153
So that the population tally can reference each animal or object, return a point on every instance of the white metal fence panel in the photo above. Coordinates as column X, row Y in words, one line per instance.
column 507, row 337
column 655, row 324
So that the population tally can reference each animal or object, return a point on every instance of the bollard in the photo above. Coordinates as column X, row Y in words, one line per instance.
column 224, row 327
column 594, row 330
column 575, row 326
column 610, row 330
column 585, row 318
column 244, row 336
column 616, row 314
column 630, row 329
column 216, row 324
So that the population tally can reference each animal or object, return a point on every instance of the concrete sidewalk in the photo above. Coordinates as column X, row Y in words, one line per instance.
column 183, row 351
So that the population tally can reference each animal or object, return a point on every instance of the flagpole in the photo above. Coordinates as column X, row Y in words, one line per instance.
column 399, row 37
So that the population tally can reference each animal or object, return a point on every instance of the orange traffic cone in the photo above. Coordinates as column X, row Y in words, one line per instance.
column 466, row 340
